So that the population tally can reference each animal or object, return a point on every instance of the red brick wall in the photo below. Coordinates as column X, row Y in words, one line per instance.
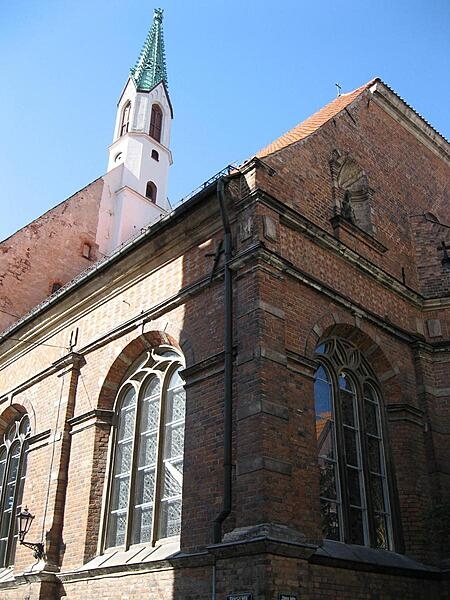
column 295, row 283
column 47, row 250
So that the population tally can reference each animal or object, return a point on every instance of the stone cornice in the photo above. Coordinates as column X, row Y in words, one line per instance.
column 441, row 347
column 404, row 412
column 436, row 303
column 357, row 261
column 262, row 543
column 175, row 561
column 209, row 367
column 338, row 222
column 298, row 222
column 39, row 439
column 301, row 364
column 93, row 417
column 70, row 361
column 259, row 253
column 374, row 560
column 125, row 327
column 73, row 360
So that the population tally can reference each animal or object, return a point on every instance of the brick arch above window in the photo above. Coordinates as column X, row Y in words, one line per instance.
column 341, row 324
column 14, row 412
column 324, row 324
column 128, row 355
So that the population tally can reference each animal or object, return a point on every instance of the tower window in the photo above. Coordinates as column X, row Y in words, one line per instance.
column 156, row 123
column 151, row 191
column 155, row 155
column 125, row 118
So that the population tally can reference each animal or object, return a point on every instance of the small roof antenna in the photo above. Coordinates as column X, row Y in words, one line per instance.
column 338, row 89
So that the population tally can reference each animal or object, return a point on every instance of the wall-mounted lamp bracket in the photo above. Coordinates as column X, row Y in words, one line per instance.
column 24, row 519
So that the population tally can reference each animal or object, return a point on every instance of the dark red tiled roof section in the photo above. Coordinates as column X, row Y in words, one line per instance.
column 312, row 123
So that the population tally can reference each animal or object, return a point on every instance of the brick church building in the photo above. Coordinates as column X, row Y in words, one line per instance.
column 246, row 397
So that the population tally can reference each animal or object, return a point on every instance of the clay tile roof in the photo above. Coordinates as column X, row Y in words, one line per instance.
column 315, row 121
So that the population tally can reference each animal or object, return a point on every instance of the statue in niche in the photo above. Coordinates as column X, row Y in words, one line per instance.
column 347, row 211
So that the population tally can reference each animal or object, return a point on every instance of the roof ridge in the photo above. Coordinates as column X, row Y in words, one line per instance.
column 315, row 121
column 410, row 107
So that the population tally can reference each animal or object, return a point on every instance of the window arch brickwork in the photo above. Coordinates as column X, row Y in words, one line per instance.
column 354, row 483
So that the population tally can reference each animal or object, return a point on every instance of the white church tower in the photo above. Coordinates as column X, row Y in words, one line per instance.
column 135, row 185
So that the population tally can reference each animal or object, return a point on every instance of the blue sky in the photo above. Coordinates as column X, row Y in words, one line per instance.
column 241, row 73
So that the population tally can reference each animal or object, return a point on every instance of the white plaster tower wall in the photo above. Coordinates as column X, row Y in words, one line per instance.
column 134, row 149
column 136, row 157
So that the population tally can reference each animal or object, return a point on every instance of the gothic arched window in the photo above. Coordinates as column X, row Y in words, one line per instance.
column 354, row 490
column 147, row 459
column 156, row 123
column 125, row 118
column 151, row 191
column 13, row 458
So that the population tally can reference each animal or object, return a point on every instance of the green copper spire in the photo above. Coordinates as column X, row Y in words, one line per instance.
column 150, row 68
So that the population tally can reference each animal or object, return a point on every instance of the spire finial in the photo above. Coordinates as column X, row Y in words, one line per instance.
column 150, row 68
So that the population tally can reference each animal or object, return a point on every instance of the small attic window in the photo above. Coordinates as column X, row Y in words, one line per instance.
column 86, row 251
column 151, row 191
column 155, row 155
column 56, row 285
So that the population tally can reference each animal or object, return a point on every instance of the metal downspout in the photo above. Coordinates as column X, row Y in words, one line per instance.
column 228, row 368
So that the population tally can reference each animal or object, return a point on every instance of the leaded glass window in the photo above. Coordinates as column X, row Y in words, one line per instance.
column 13, row 456
column 354, row 487
column 148, row 443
